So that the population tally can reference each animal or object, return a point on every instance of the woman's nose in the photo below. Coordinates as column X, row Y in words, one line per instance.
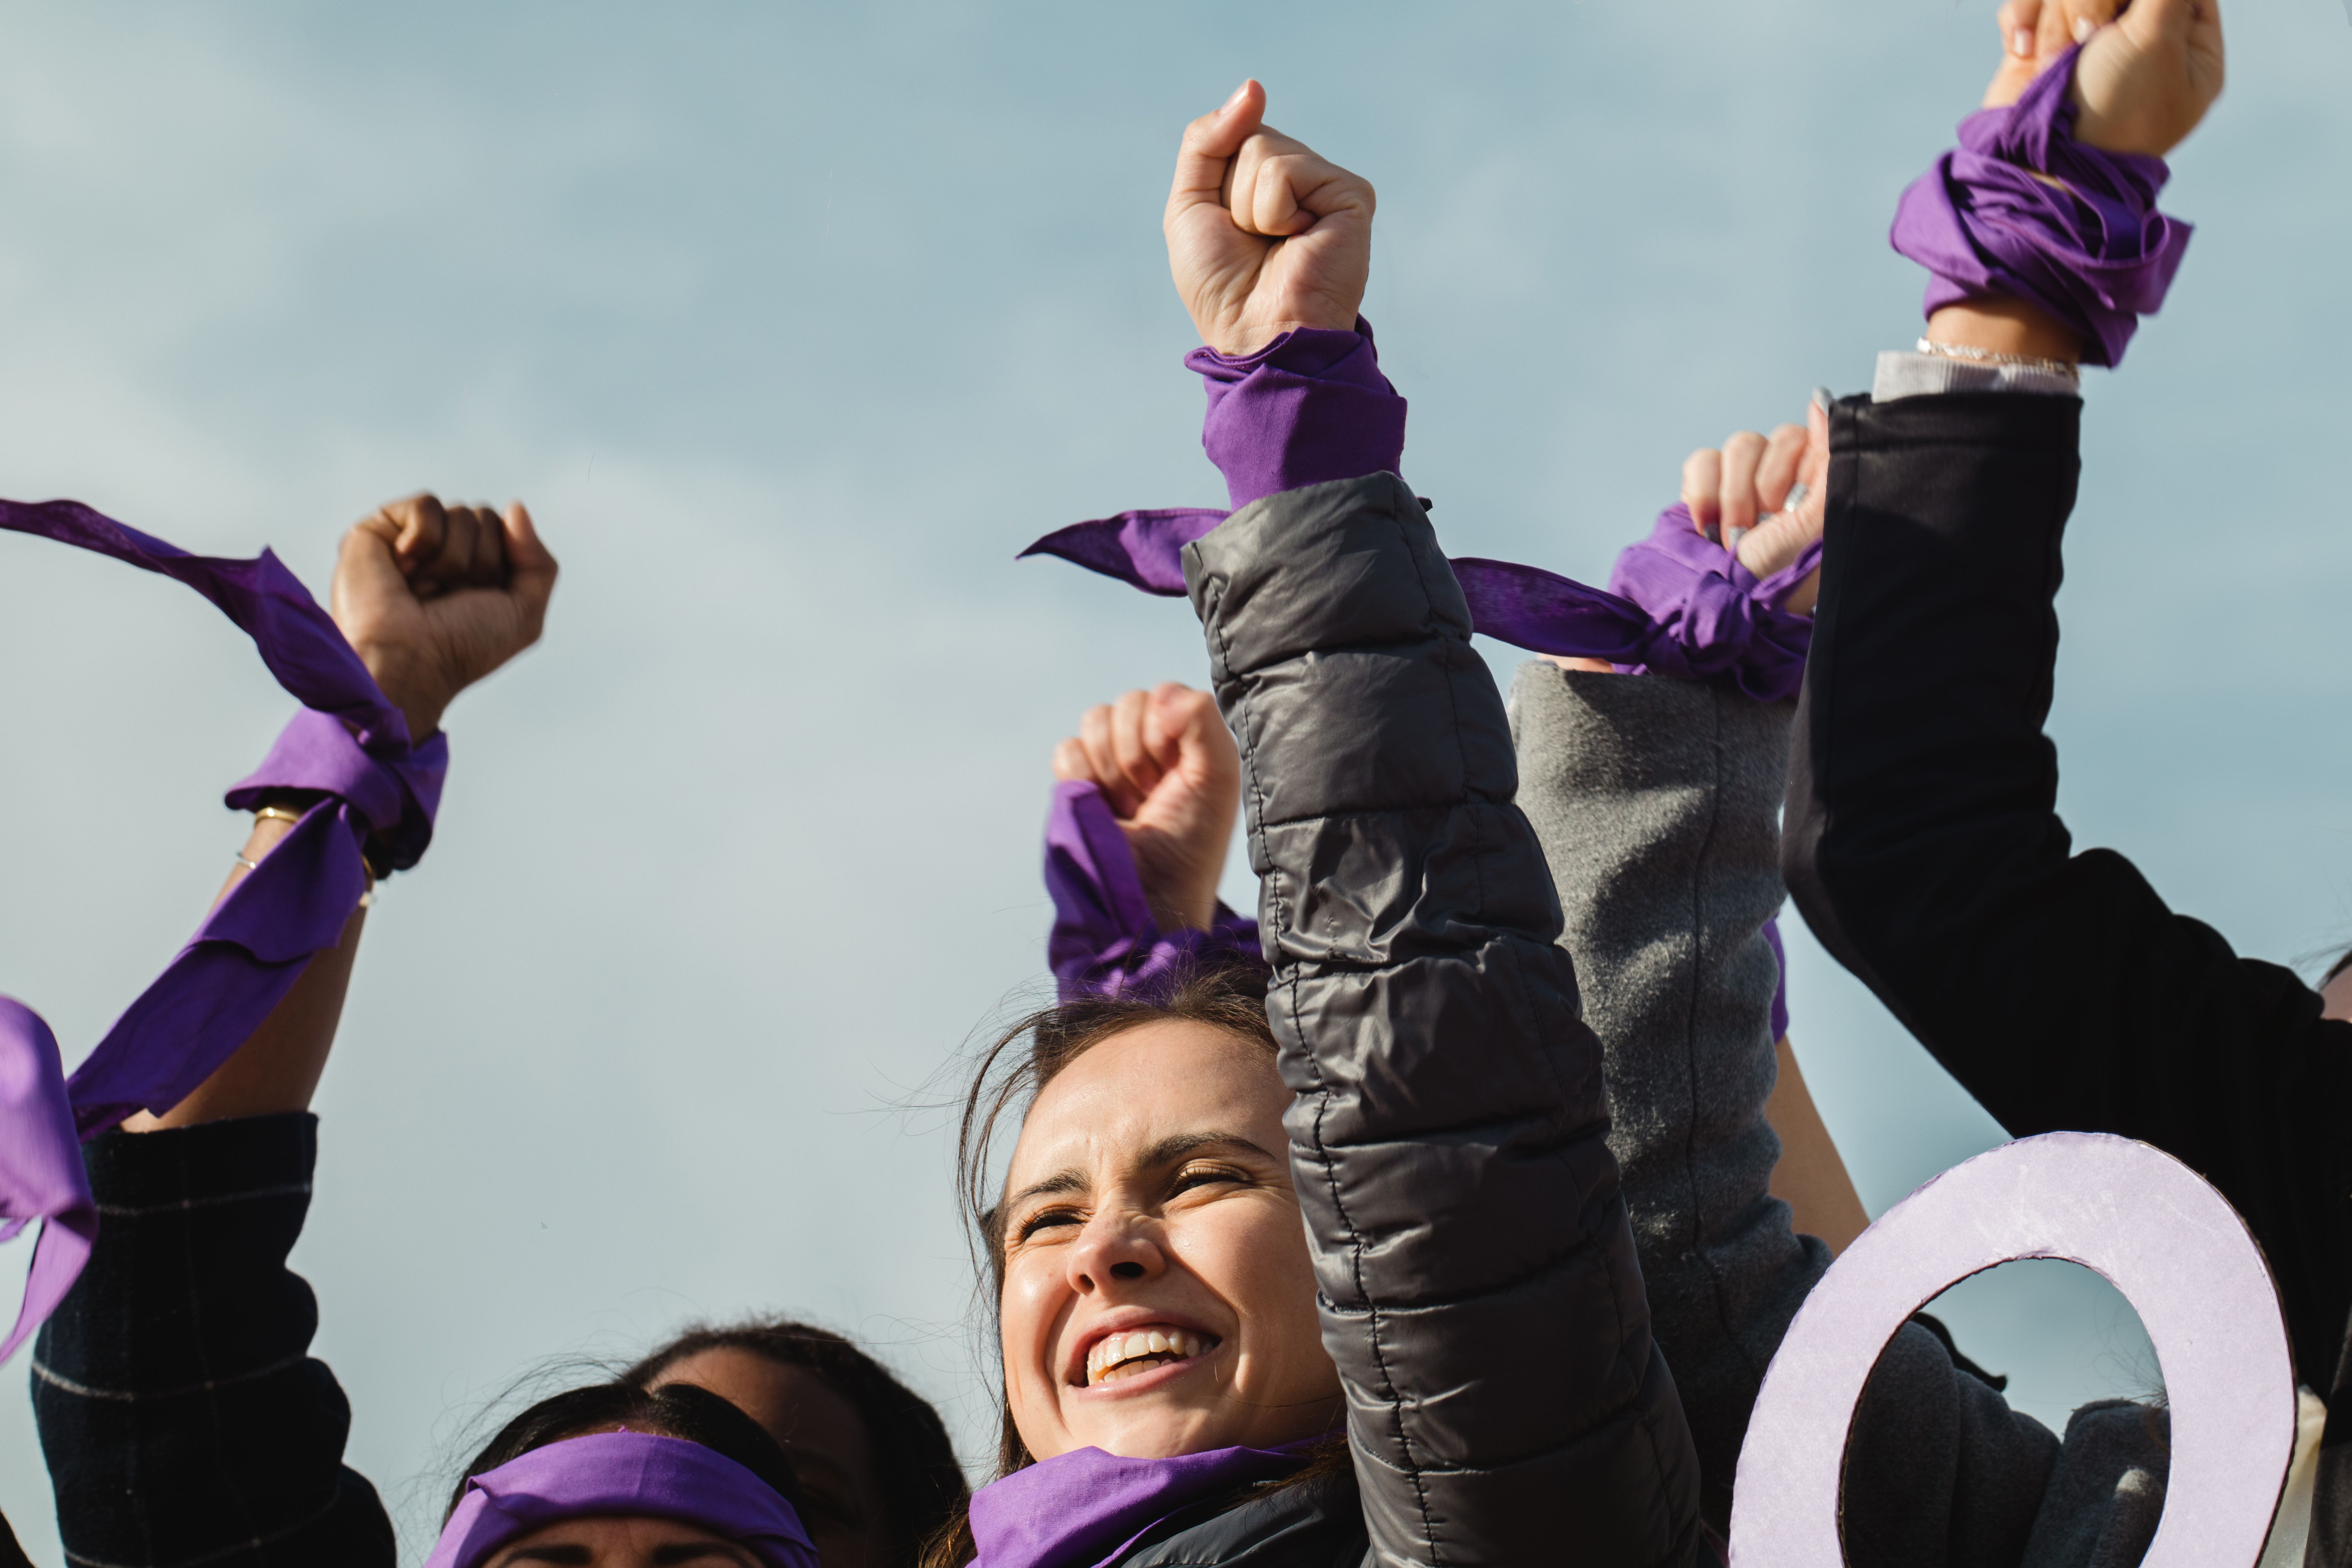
column 1116, row 1249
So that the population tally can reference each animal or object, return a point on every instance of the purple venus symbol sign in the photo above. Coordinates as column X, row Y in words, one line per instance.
column 2171, row 1243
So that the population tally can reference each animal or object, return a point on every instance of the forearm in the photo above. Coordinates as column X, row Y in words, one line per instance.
column 1810, row 1176
column 279, row 1067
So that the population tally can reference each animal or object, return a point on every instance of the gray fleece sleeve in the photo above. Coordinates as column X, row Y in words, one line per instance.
column 1477, row 1282
column 1657, row 804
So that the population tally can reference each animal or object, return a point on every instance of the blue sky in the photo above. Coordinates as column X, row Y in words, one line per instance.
column 794, row 323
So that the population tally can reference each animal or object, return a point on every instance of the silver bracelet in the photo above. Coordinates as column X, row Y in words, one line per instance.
column 1967, row 355
column 248, row 864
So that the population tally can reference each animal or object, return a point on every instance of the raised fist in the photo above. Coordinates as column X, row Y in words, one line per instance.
column 2147, row 74
column 1168, row 765
column 1263, row 236
column 1740, row 494
column 434, row 598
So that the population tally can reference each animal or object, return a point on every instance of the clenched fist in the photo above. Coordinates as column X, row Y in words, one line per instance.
column 432, row 598
column 1263, row 236
column 1764, row 497
column 1168, row 765
column 2149, row 69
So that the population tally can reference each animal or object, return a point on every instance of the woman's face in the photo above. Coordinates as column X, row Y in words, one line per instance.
column 627, row 1542
column 821, row 1434
column 2338, row 995
column 1158, row 1299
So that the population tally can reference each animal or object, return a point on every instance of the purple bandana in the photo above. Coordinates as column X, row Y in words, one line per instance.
column 1104, row 942
column 1679, row 604
column 2090, row 249
column 349, row 744
column 622, row 1473
column 1086, row 1509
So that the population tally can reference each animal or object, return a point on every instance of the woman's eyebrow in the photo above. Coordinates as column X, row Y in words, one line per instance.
column 1183, row 1145
column 558, row 1556
column 1072, row 1179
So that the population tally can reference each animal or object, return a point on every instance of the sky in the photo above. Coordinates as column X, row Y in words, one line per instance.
column 794, row 323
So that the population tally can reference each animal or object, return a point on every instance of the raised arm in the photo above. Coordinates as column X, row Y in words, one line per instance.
column 181, row 1414
column 1923, row 841
column 1480, row 1294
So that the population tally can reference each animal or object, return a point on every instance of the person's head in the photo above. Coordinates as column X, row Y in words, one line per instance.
column 878, row 1474
column 614, row 1475
column 1153, row 1287
column 2335, row 990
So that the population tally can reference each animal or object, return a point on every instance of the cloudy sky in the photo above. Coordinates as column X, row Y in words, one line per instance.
column 793, row 322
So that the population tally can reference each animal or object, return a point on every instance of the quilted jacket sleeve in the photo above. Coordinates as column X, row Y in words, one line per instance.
column 1478, row 1285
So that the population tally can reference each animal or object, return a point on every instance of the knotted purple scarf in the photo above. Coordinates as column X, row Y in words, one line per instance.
column 619, row 1474
column 350, row 745
column 1678, row 605
column 2087, row 244
column 1103, row 942
column 1086, row 1509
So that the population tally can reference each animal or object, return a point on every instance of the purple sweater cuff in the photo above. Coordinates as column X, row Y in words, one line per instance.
column 2090, row 249
column 1309, row 407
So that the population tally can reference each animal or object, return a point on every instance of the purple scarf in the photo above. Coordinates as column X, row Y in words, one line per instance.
column 622, row 1473
column 349, row 743
column 1087, row 1509
column 1678, row 604
column 1103, row 942
column 2091, row 250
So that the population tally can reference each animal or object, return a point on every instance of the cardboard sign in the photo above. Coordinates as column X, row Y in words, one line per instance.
column 2154, row 1228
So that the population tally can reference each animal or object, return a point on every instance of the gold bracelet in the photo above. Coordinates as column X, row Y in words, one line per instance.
column 1969, row 355
column 276, row 814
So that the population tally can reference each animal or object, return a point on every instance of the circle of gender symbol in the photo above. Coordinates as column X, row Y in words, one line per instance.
column 2171, row 1243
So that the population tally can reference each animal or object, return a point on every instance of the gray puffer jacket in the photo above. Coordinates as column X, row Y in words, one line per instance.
column 1479, row 1289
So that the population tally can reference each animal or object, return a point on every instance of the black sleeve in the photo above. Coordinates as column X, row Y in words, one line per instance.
column 1479, row 1286
column 183, row 1421
column 1925, row 850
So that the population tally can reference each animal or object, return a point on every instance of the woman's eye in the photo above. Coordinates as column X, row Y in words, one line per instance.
column 1043, row 1220
column 1194, row 1176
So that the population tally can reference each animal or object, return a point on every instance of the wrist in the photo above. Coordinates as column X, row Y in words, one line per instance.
column 409, row 686
column 2004, row 325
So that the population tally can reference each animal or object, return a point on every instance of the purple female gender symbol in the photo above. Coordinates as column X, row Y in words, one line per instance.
column 2171, row 1243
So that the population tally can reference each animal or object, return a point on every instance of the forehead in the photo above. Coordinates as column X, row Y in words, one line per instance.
column 1143, row 1086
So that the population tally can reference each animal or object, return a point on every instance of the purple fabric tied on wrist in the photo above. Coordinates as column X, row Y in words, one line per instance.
column 2087, row 244
column 619, row 1474
column 1104, row 942
column 349, row 744
column 1087, row 1509
column 1311, row 406
column 1678, row 604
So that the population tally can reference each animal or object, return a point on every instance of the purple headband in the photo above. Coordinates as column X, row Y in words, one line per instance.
column 1678, row 605
column 622, row 1473
column 2090, row 249
column 350, row 745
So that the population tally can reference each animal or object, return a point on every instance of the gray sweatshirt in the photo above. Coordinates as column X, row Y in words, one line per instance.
column 1657, row 802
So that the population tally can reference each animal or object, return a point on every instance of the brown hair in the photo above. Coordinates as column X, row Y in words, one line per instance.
column 1007, row 1080
column 914, row 1464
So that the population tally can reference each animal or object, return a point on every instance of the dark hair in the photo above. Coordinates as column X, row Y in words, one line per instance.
column 914, row 1463
column 1007, row 1080
column 679, row 1410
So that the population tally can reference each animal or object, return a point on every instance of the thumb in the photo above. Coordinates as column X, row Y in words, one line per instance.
column 1203, row 748
column 531, row 567
column 1205, row 155
column 367, row 576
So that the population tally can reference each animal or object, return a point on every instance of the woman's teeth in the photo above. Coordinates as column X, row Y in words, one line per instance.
column 1116, row 1356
